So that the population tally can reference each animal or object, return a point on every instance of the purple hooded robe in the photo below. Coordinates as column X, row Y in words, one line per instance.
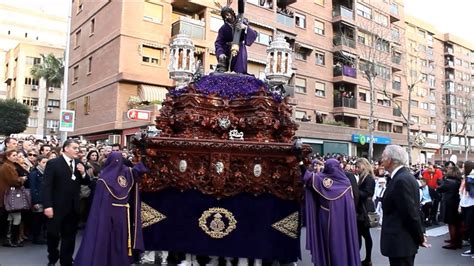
column 223, row 44
column 114, row 227
column 331, row 229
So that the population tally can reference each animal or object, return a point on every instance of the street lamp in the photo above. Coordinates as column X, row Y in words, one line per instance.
column 181, row 67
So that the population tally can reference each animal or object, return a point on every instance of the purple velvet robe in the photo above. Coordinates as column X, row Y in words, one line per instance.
column 331, row 228
column 106, row 237
column 223, row 44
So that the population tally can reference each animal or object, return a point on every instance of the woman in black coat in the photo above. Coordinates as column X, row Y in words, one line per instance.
column 449, row 189
column 365, row 204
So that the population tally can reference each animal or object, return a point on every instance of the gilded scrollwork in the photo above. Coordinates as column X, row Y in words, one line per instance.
column 223, row 222
column 288, row 225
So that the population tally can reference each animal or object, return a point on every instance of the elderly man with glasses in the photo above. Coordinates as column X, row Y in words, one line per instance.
column 402, row 231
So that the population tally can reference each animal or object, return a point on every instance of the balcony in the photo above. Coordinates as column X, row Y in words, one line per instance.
column 344, row 40
column 344, row 71
column 344, row 13
column 286, row 17
column 396, row 85
column 344, row 102
column 449, row 64
column 195, row 29
column 394, row 13
column 396, row 59
column 450, row 76
column 449, row 50
column 397, row 112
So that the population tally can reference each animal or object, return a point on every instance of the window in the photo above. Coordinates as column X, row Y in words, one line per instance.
column 319, row 2
column 299, row 115
column 75, row 74
column 300, row 20
column 384, row 126
column 216, row 23
column 364, row 123
column 421, row 33
column 79, row 6
column 381, row 19
column 415, row 119
column 414, row 103
column 71, row 105
column 300, row 85
column 53, row 103
column 364, row 95
column 422, row 48
column 77, row 39
column 364, row 38
column 87, row 105
column 31, row 81
column 382, row 45
column 458, row 62
column 32, row 122
column 318, row 27
column 33, row 60
column 383, row 100
column 300, row 54
column 152, row 11
column 320, row 89
column 52, row 123
column 320, row 58
column 263, row 38
column 92, row 27
column 320, row 117
column 364, row 11
column 424, row 105
column 151, row 55
column 397, row 129
column 30, row 101
column 89, row 66
column 382, row 71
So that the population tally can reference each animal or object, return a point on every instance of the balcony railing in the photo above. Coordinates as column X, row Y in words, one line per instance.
column 286, row 20
column 397, row 112
column 396, row 85
column 344, row 40
column 394, row 9
column 396, row 59
column 345, row 71
column 344, row 102
column 195, row 29
column 449, row 63
column 450, row 76
column 343, row 12
column 449, row 50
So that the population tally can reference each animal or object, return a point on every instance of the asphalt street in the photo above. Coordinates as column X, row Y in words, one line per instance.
column 36, row 255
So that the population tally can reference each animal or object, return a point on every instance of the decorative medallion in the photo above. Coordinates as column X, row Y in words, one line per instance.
column 221, row 224
column 420, row 140
column 220, row 167
column 235, row 134
column 224, row 122
column 150, row 216
column 327, row 182
column 122, row 181
column 257, row 170
column 288, row 225
column 182, row 166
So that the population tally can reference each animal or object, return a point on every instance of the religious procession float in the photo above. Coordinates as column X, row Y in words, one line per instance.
column 223, row 180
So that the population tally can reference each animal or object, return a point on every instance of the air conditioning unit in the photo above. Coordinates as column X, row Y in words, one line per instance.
column 50, row 109
column 34, row 87
column 36, row 108
column 51, row 89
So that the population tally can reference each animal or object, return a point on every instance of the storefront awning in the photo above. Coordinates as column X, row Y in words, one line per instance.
column 151, row 93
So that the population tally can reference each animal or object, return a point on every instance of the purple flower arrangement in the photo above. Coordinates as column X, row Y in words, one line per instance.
column 230, row 86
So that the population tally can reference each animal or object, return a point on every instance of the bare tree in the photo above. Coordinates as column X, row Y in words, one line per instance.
column 373, row 59
column 459, row 112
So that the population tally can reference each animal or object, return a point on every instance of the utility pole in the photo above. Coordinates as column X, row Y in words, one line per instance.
column 64, row 90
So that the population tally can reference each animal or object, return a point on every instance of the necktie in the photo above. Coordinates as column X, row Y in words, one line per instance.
column 71, row 166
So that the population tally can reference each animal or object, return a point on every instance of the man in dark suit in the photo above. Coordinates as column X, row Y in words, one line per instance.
column 63, row 177
column 402, row 231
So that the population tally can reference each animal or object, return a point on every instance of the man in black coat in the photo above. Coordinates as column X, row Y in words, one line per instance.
column 402, row 231
column 63, row 177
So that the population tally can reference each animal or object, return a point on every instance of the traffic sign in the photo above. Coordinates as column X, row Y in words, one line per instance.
column 135, row 114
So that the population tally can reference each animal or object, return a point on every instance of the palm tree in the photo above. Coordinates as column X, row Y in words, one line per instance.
column 51, row 69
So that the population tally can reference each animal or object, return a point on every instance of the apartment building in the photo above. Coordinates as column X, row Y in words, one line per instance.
column 44, row 101
column 119, row 50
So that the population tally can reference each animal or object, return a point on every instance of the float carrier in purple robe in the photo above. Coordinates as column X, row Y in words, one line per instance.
column 331, row 229
column 113, row 228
